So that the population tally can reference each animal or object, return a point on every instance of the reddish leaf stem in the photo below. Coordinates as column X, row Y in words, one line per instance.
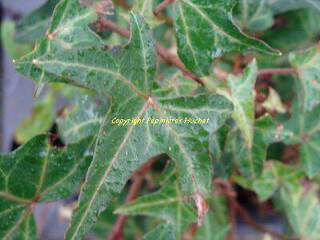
column 137, row 181
column 117, row 230
column 123, row 3
column 228, row 191
column 161, row 51
column 277, row 71
column 162, row 6
column 173, row 59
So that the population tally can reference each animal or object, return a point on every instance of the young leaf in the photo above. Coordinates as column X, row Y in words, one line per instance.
column 275, row 176
column 34, row 25
column 248, row 160
column 273, row 102
column 205, row 30
column 167, row 204
column 242, row 97
column 307, row 64
column 45, row 174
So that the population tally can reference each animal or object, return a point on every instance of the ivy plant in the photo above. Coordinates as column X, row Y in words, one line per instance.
column 174, row 108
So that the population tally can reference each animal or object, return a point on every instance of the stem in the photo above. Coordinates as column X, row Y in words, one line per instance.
column 117, row 230
column 162, row 6
column 229, row 193
column 161, row 51
column 237, row 64
column 137, row 181
column 123, row 3
column 174, row 60
column 114, row 28
column 277, row 71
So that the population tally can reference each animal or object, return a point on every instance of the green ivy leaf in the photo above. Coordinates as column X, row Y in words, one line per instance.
column 167, row 204
column 45, row 174
column 240, row 93
column 299, row 32
column 83, row 117
column 242, row 96
column 273, row 102
column 307, row 64
column 175, row 84
column 302, row 208
column 161, row 232
column 275, row 176
column 304, row 128
column 34, row 25
column 145, row 9
column 205, row 30
column 254, row 15
column 108, row 72
column 280, row 6
column 69, row 18
column 248, row 160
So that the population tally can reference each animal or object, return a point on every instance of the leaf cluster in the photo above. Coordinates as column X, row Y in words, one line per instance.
column 252, row 68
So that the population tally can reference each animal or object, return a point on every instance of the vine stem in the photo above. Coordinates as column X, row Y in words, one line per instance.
column 137, row 182
column 123, row 3
column 117, row 230
column 277, row 71
column 162, row 6
column 173, row 59
column 230, row 194
column 164, row 53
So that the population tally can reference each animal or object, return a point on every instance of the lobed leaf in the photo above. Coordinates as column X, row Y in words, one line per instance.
column 302, row 208
column 45, row 174
column 307, row 64
column 205, row 30
column 248, row 160
column 69, row 28
column 167, row 204
column 304, row 128
column 34, row 25
column 275, row 176
column 242, row 97
column 130, row 89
